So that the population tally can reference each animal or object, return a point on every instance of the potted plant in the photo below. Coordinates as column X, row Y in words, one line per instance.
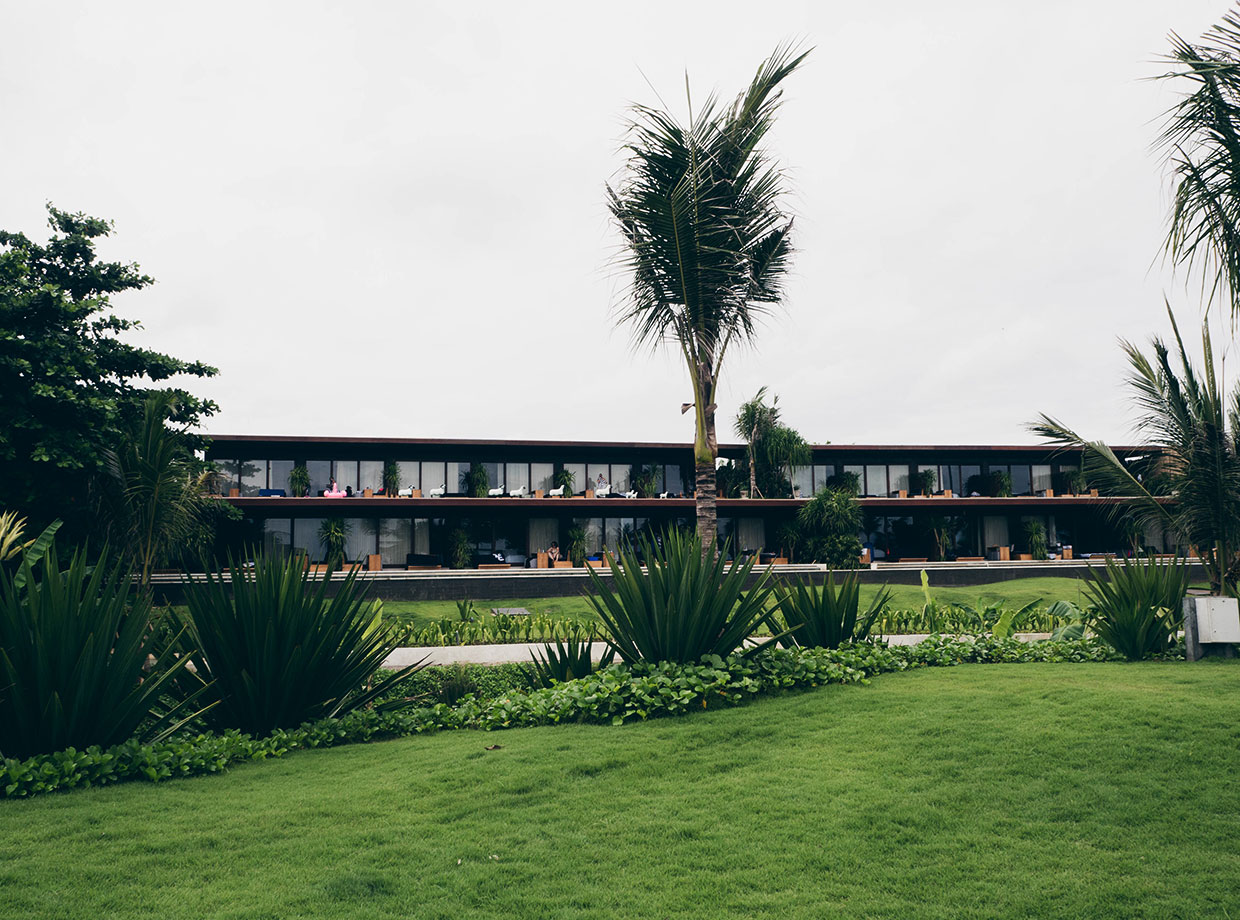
column 563, row 479
column 391, row 478
column 334, row 533
column 925, row 482
column 475, row 481
column 576, row 539
column 299, row 481
column 645, row 481
column 460, row 550
column 1035, row 537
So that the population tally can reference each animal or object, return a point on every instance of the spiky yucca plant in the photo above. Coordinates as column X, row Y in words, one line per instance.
column 1137, row 606
column 826, row 616
column 280, row 652
column 568, row 659
column 683, row 605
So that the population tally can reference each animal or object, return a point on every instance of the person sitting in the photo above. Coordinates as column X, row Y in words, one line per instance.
column 553, row 554
column 601, row 484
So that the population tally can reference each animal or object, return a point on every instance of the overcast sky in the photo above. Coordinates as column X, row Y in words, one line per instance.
column 388, row 219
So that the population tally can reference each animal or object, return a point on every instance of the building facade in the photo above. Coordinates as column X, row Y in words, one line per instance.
column 962, row 517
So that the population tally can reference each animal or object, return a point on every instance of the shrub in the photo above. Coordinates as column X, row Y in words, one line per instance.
column 1137, row 607
column 460, row 550
column 825, row 617
column 278, row 651
column 683, row 606
column 1035, row 537
column 299, row 481
column 73, row 644
column 568, row 659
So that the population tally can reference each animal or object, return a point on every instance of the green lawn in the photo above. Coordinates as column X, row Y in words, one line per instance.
column 1015, row 593
column 1102, row 790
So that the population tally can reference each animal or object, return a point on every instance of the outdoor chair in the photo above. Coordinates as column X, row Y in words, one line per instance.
column 405, row 493
column 663, row 495
column 556, row 493
column 602, row 491
column 632, row 493
column 439, row 493
column 518, row 493
column 495, row 493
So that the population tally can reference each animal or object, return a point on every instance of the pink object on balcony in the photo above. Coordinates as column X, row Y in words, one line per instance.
column 334, row 492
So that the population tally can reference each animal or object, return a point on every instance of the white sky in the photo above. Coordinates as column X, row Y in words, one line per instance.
column 388, row 220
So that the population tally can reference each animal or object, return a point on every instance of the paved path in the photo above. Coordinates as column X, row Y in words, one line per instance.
column 519, row 651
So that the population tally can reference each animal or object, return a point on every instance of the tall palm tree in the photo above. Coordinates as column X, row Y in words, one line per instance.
column 706, row 242
column 754, row 422
column 1189, row 482
column 1202, row 144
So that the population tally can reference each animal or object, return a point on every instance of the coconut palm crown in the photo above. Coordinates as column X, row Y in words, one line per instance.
column 705, row 241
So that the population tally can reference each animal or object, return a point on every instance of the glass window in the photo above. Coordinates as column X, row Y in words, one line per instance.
column 611, row 534
column 345, row 473
column 859, row 472
column 510, row 537
column 306, row 537
column 226, row 479
column 898, row 477
column 434, row 477
column 452, row 476
column 967, row 473
column 253, row 476
column 1041, row 477
column 495, row 474
column 579, row 478
column 277, row 536
column 938, row 476
column 277, row 476
column 876, row 480
column 750, row 534
column 594, row 533
column 822, row 472
column 422, row 533
column 621, row 474
column 803, row 479
column 1022, row 482
column 543, row 532
column 595, row 472
column 674, row 484
column 516, row 476
column 409, row 477
column 395, row 541
column 359, row 538
column 542, row 476
column 320, row 476
column 370, row 475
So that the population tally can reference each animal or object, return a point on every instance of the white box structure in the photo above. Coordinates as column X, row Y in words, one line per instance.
column 1218, row 619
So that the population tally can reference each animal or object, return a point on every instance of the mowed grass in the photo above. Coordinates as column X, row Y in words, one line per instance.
column 1015, row 593
column 984, row 791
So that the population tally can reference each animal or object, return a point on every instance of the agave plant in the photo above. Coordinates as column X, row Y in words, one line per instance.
column 682, row 606
column 825, row 617
column 73, row 649
column 1137, row 607
column 568, row 659
column 15, row 550
column 279, row 651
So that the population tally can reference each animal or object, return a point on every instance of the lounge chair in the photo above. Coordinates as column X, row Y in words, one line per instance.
column 632, row 493
column 405, row 493
column 662, row 495
column 518, row 493
column 602, row 491
column 556, row 493
column 439, row 493
column 495, row 493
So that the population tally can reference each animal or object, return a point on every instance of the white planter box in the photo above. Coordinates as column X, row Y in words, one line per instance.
column 1218, row 618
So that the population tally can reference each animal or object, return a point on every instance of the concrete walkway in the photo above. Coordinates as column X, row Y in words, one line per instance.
column 520, row 651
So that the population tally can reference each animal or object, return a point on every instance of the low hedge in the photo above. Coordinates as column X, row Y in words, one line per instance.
column 618, row 694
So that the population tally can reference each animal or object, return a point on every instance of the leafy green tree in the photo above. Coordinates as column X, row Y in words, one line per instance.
column 706, row 242
column 1188, row 478
column 754, row 422
column 71, row 387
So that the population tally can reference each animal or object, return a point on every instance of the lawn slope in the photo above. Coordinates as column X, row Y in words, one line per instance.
column 978, row 791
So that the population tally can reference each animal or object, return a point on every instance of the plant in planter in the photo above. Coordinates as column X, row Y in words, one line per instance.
column 645, row 481
column 391, row 478
column 334, row 533
column 576, row 539
column 563, row 479
column 1002, row 483
column 475, row 481
column 460, row 550
column 299, row 481
column 922, row 481
column 1035, row 537
column 845, row 482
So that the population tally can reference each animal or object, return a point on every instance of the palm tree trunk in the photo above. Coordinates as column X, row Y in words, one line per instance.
column 753, row 463
column 707, row 513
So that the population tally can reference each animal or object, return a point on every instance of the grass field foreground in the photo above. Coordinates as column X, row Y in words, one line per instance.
column 1081, row 790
